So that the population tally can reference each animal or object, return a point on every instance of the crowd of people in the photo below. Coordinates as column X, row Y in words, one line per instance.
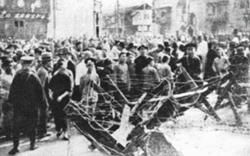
column 38, row 77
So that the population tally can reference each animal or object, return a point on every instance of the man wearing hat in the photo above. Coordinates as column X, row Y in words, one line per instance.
column 92, row 43
column 81, row 70
column 64, row 53
column 27, row 97
column 173, row 56
column 19, row 55
column 37, row 62
column 211, row 55
column 7, row 53
column 239, row 62
column 121, row 74
column 133, row 48
column 140, row 63
column 240, row 67
column 192, row 63
column 5, row 108
column 103, row 73
column 156, row 54
column 116, row 50
column 232, row 48
column 44, row 74
column 9, row 50
column 78, row 47
column 131, row 71
column 89, row 95
column 245, row 44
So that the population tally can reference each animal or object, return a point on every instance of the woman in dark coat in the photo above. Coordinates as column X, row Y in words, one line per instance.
column 61, row 87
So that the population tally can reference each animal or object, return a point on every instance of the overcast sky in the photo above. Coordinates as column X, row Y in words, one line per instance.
column 110, row 4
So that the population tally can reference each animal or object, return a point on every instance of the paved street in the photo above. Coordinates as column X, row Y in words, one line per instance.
column 191, row 135
column 52, row 146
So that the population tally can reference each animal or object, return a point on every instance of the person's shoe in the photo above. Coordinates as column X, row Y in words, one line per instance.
column 238, row 106
column 92, row 147
column 40, row 136
column 59, row 134
column 32, row 148
column 66, row 136
column 13, row 151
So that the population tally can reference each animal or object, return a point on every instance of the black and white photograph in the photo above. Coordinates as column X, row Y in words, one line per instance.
column 125, row 77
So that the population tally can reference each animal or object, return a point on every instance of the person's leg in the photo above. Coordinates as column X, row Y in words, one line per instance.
column 76, row 94
column 56, row 115
column 42, row 126
column 31, row 122
column 17, row 121
column 64, row 125
column 7, row 119
column 57, row 122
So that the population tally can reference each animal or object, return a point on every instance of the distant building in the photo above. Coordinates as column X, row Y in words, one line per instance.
column 165, row 17
column 23, row 19
column 75, row 18
column 196, row 17
column 135, row 20
column 179, row 17
column 228, row 16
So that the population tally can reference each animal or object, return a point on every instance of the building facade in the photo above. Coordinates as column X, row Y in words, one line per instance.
column 179, row 17
column 75, row 18
column 135, row 20
column 23, row 19
column 165, row 17
column 237, row 17
column 196, row 17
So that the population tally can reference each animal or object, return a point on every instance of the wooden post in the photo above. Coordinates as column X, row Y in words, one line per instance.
column 119, row 91
column 236, row 115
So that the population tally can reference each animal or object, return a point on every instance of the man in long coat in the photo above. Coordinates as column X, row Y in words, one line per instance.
column 27, row 97
column 44, row 74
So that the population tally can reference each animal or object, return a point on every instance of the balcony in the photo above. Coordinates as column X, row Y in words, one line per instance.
column 220, row 18
column 218, row 1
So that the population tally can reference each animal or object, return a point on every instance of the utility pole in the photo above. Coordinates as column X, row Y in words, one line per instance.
column 154, row 17
column 117, row 12
column 54, row 19
column 187, row 12
column 123, row 22
column 94, row 18
column 144, row 19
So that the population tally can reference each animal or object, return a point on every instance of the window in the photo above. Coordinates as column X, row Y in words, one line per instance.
column 19, row 24
column 244, row 4
column 183, row 9
column 97, row 19
column 163, row 14
column 16, row 23
column 192, row 19
column 2, row 3
column 212, row 9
